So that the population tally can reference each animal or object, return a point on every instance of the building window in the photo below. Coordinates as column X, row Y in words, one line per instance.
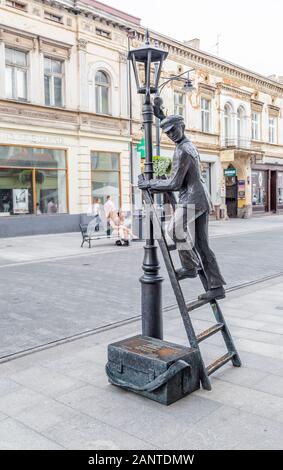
column 16, row 74
column 17, row 5
column 105, row 177
column 240, row 126
column 52, row 17
column 53, row 82
column 179, row 103
column 272, row 130
column 206, row 175
column 32, row 181
column 259, row 188
column 228, row 124
column 102, row 90
column 103, row 33
column 205, row 115
column 255, row 126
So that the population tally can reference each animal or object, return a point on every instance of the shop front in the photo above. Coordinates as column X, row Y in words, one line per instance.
column 32, row 181
column 267, row 188
column 236, row 183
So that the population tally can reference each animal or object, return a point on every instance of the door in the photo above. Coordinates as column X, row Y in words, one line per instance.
column 232, row 196
column 273, row 191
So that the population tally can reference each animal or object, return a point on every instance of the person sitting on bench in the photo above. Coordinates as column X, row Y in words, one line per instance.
column 118, row 225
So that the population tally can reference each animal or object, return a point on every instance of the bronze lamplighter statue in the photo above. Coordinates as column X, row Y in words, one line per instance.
column 145, row 364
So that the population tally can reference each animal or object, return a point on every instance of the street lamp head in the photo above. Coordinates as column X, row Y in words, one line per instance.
column 146, row 81
column 188, row 86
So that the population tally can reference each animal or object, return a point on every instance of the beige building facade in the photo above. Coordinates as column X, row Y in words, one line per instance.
column 69, row 127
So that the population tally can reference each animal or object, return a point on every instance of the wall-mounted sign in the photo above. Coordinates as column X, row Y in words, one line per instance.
column 141, row 148
column 230, row 172
column 241, row 189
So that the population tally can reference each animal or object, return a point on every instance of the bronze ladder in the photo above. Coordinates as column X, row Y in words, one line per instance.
column 186, row 308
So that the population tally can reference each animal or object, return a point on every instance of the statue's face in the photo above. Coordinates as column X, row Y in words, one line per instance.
column 176, row 133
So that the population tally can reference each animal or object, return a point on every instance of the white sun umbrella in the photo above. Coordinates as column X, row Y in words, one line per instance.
column 106, row 191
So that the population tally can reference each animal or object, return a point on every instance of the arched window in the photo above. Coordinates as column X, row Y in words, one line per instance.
column 102, row 92
column 228, row 122
column 240, row 125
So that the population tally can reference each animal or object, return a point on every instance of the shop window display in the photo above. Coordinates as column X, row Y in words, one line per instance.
column 259, row 188
column 105, row 176
column 32, row 181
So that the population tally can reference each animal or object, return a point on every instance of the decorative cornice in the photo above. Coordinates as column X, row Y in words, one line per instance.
column 207, row 89
column 273, row 110
column 25, row 35
column 257, row 105
column 232, row 89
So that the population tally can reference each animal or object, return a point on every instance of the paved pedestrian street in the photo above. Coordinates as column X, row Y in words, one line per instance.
column 60, row 308
column 59, row 398
column 55, row 290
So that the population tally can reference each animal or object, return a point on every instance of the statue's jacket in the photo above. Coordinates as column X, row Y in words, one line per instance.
column 186, row 178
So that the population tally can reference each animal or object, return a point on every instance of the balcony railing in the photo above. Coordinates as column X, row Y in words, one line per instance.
column 236, row 143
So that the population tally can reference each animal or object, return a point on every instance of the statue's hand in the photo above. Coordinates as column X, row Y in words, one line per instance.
column 158, row 102
column 142, row 183
column 158, row 108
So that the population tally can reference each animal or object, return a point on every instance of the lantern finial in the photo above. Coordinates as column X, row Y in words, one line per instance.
column 147, row 38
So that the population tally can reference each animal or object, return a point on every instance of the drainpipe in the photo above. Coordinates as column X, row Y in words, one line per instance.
column 131, row 34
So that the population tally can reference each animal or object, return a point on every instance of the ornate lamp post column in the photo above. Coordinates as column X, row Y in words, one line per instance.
column 151, row 281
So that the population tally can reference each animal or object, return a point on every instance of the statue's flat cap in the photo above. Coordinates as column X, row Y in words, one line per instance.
column 169, row 122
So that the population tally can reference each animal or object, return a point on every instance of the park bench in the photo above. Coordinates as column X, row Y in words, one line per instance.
column 88, row 237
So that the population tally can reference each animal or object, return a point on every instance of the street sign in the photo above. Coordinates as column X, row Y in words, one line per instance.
column 141, row 148
column 230, row 172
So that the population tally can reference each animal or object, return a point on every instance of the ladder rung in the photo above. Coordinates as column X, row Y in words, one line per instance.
column 210, row 332
column 220, row 363
column 197, row 304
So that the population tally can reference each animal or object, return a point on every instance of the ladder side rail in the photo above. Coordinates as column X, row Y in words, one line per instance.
column 215, row 307
column 226, row 333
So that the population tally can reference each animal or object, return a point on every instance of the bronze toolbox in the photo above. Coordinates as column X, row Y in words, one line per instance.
column 155, row 369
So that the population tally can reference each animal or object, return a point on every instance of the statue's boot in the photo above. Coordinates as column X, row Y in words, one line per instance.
column 213, row 294
column 184, row 273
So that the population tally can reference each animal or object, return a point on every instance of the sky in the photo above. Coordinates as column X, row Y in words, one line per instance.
column 250, row 31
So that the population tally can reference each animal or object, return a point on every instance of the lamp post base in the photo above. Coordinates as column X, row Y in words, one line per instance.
column 151, row 281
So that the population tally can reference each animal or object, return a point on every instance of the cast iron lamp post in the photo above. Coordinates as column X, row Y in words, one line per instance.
column 142, row 59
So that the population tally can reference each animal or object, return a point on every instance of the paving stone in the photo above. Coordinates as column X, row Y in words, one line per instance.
column 258, row 336
column 7, row 386
column 265, row 364
column 43, row 380
column 247, row 399
column 241, row 376
column 45, row 415
column 15, row 402
column 84, row 432
column 75, row 397
column 228, row 429
column 16, row 436
column 262, row 349
column 271, row 384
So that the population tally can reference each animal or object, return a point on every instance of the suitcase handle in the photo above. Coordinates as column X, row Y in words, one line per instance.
column 161, row 380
